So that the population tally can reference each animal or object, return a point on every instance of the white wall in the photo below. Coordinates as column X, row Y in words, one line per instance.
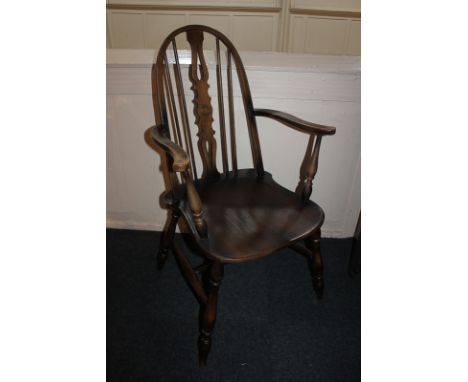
column 299, row 26
column 323, row 89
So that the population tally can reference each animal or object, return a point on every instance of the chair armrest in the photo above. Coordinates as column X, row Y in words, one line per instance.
column 310, row 162
column 295, row 123
column 179, row 156
column 180, row 164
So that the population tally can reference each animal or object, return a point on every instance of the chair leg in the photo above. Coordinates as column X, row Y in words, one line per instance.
column 208, row 311
column 316, row 264
column 166, row 240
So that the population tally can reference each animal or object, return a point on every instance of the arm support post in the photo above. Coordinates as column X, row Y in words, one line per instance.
column 310, row 170
column 195, row 204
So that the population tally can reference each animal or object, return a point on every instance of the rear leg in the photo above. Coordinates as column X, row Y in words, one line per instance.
column 316, row 264
column 166, row 239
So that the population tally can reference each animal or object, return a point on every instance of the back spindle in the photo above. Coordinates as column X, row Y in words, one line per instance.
column 183, row 110
column 219, row 81
column 171, row 104
column 232, row 130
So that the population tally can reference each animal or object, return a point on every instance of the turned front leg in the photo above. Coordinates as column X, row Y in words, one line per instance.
column 166, row 239
column 208, row 311
column 316, row 264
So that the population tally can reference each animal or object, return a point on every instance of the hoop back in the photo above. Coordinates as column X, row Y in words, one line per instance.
column 170, row 105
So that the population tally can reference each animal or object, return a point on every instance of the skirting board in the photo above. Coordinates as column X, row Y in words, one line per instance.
column 142, row 226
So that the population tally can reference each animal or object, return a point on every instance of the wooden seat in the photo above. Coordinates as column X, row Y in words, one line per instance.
column 233, row 215
column 248, row 217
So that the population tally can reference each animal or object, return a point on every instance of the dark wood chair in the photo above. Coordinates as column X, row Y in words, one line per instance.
column 233, row 215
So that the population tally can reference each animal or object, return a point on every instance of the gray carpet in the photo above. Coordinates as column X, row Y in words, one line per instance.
column 270, row 326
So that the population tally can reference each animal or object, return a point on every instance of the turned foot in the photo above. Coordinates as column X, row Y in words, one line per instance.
column 204, row 347
column 162, row 257
column 317, row 283
column 208, row 311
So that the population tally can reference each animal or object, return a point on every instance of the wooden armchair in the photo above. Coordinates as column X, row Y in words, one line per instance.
column 233, row 215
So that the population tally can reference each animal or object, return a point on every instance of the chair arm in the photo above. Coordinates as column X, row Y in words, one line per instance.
column 181, row 164
column 310, row 163
column 179, row 156
column 295, row 123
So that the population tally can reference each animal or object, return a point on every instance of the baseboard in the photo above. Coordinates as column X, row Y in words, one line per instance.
column 139, row 226
column 334, row 234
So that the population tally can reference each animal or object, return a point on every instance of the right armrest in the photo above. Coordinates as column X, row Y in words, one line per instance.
column 179, row 156
column 295, row 123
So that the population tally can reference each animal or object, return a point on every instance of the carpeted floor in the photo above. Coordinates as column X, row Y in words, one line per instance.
column 270, row 326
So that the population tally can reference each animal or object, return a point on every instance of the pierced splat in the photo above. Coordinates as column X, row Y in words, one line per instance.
column 202, row 109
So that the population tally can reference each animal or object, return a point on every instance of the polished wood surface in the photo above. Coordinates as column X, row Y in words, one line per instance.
column 233, row 215
column 213, row 277
column 296, row 123
column 202, row 109
column 249, row 217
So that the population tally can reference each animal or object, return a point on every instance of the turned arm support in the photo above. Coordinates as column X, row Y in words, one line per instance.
column 310, row 164
column 180, row 163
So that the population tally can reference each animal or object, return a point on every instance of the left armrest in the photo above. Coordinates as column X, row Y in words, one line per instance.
column 295, row 123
